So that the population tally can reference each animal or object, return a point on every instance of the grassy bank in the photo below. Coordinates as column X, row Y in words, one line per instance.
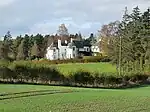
column 66, row 69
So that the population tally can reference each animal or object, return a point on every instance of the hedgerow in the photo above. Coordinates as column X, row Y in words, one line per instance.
column 28, row 71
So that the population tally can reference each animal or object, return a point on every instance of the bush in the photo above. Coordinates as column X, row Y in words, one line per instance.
column 6, row 73
column 23, row 71
column 83, row 77
column 85, row 59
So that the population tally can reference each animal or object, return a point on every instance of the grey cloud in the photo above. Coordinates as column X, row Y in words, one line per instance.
column 44, row 16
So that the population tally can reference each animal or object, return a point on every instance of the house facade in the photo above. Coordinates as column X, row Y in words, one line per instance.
column 67, row 50
column 95, row 49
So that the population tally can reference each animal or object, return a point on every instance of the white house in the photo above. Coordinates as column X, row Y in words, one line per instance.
column 66, row 50
column 95, row 49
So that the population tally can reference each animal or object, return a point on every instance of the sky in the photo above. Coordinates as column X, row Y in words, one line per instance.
column 44, row 16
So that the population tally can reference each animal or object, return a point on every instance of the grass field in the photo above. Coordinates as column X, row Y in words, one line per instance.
column 91, row 67
column 35, row 98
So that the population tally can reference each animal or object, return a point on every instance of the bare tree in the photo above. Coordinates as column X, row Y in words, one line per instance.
column 62, row 30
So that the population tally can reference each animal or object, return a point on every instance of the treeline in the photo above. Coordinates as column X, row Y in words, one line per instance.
column 128, row 41
column 22, row 47
column 30, row 47
column 40, row 73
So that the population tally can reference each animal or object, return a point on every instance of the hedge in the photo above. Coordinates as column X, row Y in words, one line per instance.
column 25, row 72
column 85, row 59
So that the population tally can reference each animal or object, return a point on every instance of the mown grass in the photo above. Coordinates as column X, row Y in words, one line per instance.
column 84, row 100
column 90, row 67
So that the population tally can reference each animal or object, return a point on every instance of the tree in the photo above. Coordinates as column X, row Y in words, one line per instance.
column 62, row 30
column 80, row 36
column 39, row 39
column 22, row 51
column 91, row 40
column 3, row 51
column 106, row 35
column 35, row 51
column 131, row 45
column 6, row 44
column 27, row 46
column 77, row 36
column 16, row 43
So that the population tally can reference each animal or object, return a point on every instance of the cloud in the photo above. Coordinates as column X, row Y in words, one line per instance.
column 44, row 16
column 4, row 3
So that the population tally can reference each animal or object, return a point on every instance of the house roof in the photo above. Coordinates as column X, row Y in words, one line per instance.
column 79, row 44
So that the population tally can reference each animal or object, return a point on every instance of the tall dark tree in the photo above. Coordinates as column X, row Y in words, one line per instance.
column 91, row 40
column 131, row 45
column 35, row 51
column 80, row 36
column 39, row 39
column 3, row 51
column 27, row 47
column 16, row 43
column 6, row 46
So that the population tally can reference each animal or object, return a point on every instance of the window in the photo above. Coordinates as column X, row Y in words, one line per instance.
column 87, row 49
column 54, row 50
column 74, row 55
column 73, row 48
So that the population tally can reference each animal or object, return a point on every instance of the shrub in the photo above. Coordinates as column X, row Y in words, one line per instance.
column 83, row 77
column 21, row 71
column 85, row 59
column 6, row 73
column 29, row 70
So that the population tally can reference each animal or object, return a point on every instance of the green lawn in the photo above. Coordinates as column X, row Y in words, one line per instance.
column 91, row 67
column 77, row 100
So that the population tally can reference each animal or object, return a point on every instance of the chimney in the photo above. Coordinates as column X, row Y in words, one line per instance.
column 59, row 42
column 65, row 41
column 71, row 40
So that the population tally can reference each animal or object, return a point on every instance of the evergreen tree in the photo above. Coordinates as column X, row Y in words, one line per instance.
column 131, row 45
column 80, row 36
column 6, row 46
column 39, row 39
column 27, row 46
column 3, row 51
column 35, row 51
column 15, row 45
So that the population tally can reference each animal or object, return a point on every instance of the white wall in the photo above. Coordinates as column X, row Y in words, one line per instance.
column 51, row 55
column 64, row 52
column 95, row 49
column 69, row 53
